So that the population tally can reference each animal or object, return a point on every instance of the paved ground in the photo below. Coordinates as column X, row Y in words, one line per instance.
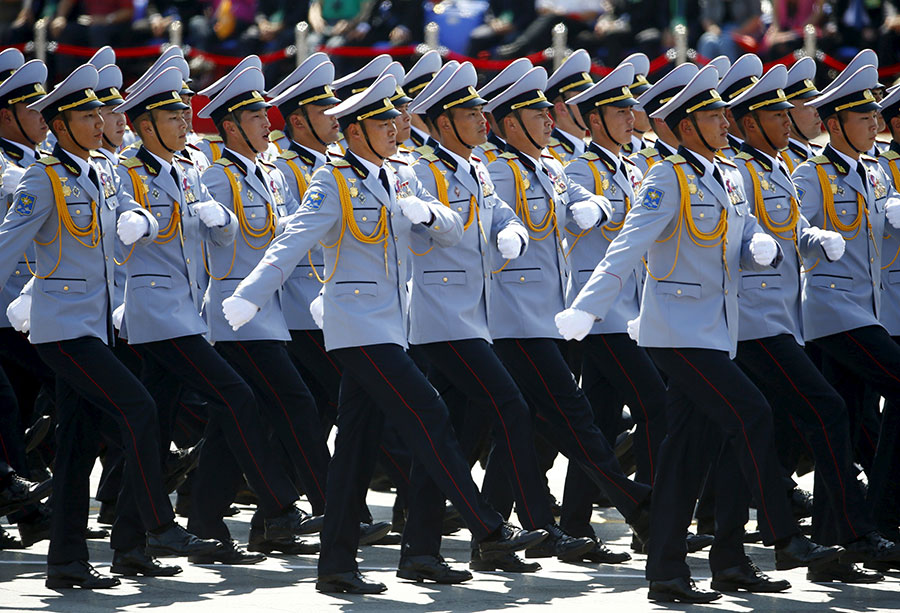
column 287, row 583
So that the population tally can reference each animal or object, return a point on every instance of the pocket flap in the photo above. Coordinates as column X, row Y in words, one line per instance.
column 152, row 281
column 444, row 277
column 761, row 282
column 678, row 289
column 522, row 275
column 65, row 286
column 832, row 282
column 344, row 288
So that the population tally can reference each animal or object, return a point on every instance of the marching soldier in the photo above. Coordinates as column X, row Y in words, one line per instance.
column 741, row 76
column 429, row 143
column 771, row 333
column 495, row 145
column 68, row 204
column 211, row 144
column 847, row 191
column 357, row 203
column 358, row 81
column 256, row 193
column 282, row 139
column 694, row 202
column 418, row 77
column 606, row 109
column 531, row 287
column 641, row 64
column 571, row 78
column 806, row 125
column 659, row 93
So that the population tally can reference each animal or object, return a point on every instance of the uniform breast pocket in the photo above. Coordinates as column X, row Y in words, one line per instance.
column 256, row 216
column 537, row 208
column 679, row 290
column 355, row 288
column 228, row 286
column 519, row 276
column 584, row 275
column 846, row 210
column 835, row 282
column 778, row 209
column 151, row 281
column 80, row 212
column 162, row 212
column 444, row 277
column 894, row 277
column 705, row 216
column 366, row 218
column 761, row 282
column 879, row 203
column 618, row 210
column 64, row 286
column 282, row 210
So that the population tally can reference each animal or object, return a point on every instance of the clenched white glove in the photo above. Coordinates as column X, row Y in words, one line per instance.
column 633, row 328
column 317, row 310
column 509, row 243
column 415, row 209
column 131, row 227
column 10, row 179
column 574, row 323
column 19, row 313
column 892, row 212
column 586, row 214
column 211, row 214
column 238, row 311
column 832, row 243
column 763, row 248
column 117, row 315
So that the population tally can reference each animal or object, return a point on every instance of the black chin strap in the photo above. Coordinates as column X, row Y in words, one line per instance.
column 15, row 114
column 362, row 126
column 312, row 128
column 109, row 142
column 606, row 128
column 764, row 133
column 847, row 136
column 243, row 135
column 700, row 134
column 158, row 135
column 797, row 128
column 581, row 126
column 527, row 133
column 456, row 132
column 71, row 134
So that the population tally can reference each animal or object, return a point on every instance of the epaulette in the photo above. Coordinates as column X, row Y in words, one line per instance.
column 424, row 150
column 649, row 152
column 398, row 161
column 508, row 155
column 489, row 146
column 135, row 145
column 676, row 159
column 743, row 155
column 404, row 148
column 49, row 161
column 554, row 142
column 134, row 162
column 820, row 159
column 274, row 135
column 339, row 162
column 224, row 162
column 97, row 154
column 430, row 157
column 288, row 154
column 212, row 138
column 727, row 162
column 590, row 156
column 475, row 158
column 890, row 154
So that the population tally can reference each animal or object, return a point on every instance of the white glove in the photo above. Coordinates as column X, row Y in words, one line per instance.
column 764, row 248
column 574, row 323
column 832, row 243
column 238, row 311
column 19, row 313
column 317, row 310
column 211, row 214
column 10, row 179
column 131, row 227
column 415, row 209
column 586, row 214
column 509, row 243
column 892, row 212
column 117, row 315
column 633, row 328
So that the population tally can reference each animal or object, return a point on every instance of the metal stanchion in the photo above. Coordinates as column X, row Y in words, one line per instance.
column 40, row 39
column 176, row 33
column 809, row 40
column 432, row 36
column 301, row 32
column 681, row 46
column 560, row 40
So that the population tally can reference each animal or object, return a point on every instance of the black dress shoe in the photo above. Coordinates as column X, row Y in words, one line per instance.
column 374, row 532
column 698, row 542
column 509, row 538
column 17, row 493
column 290, row 546
column 34, row 530
column 135, row 562
column 8, row 541
column 36, row 432
column 78, row 574
column 230, row 553
column 800, row 551
column 391, row 538
column 801, row 503
column 561, row 545
column 430, row 568
column 506, row 562
column 293, row 521
column 841, row 572
column 95, row 533
column 107, row 513
column 747, row 577
column 176, row 541
column 601, row 554
column 246, row 496
column 179, row 463
column 232, row 511
column 351, row 583
column 871, row 547
column 682, row 589
column 640, row 522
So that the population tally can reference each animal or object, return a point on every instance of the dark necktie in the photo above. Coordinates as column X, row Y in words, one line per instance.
column 175, row 178
column 717, row 175
column 382, row 176
column 862, row 174
column 92, row 176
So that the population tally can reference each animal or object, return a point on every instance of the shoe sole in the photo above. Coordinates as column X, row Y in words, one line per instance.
column 575, row 555
column 277, row 549
column 412, row 575
column 373, row 537
column 800, row 564
column 526, row 543
column 734, row 587
column 159, row 552
column 485, row 566
column 833, row 579
column 666, row 597
column 66, row 584
column 327, row 588
column 130, row 572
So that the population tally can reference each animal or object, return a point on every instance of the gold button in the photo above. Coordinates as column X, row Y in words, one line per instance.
column 158, row 214
column 522, row 278
column 437, row 227
column 107, row 259
column 445, row 279
column 832, row 286
column 153, row 284
column 398, row 263
column 78, row 211
column 777, row 206
column 678, row 291
column 871, row 259
column 188, row 260
column 19, row 272
column 364, row 218
column 65, row 288
column 459, row 208
column 309, row 274
column 534, row 207
column 726, row 292
column 356, row 291
column 843, row 211
column 252, row 215
column 763, row 283
column 702, row 215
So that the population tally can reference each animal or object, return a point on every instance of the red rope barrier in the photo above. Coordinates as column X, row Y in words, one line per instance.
column 534, row 58
column 231, row 60
column 79, row 51
column 369, row 51
column 789, row 60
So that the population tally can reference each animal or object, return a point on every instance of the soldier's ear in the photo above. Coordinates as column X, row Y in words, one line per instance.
column 895, row 124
